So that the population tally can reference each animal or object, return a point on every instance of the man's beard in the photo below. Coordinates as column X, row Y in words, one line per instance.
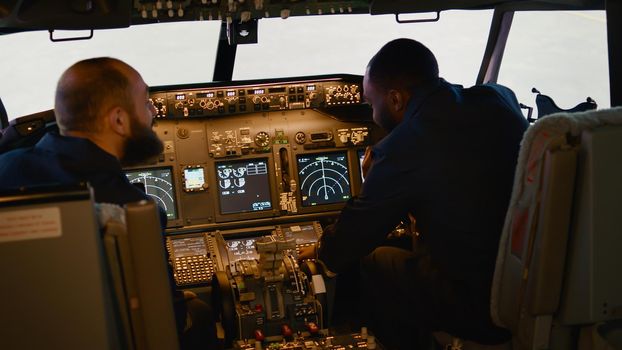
column 386, row 120
column 142, row 145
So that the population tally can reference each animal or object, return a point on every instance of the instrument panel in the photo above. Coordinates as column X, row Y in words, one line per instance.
column 214, row 99
column 197, row 256
column 265, row 296
column 257, row 152
column 249, row 171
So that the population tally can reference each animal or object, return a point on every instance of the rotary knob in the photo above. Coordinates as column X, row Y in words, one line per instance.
column 183, row 133
column 300, row 137
column 262, row 139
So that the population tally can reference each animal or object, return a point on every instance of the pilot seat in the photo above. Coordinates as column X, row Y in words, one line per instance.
column 56, row 290
column 556, row 285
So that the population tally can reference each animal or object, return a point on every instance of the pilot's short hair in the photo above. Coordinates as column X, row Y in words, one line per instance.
column 89, row 89
column 402, row 63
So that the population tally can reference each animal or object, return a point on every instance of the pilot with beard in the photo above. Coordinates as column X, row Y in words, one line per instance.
column 104, row 117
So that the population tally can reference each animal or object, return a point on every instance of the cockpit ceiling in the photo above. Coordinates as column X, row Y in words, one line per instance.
column 23, row 15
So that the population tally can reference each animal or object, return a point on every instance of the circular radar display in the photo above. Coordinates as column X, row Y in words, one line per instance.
column 158, row 184
column 324, row 178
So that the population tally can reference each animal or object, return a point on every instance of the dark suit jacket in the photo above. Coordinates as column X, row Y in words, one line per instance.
column 450, row 163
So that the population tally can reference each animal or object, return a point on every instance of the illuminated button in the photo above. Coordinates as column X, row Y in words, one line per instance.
column 258, row 307
column 259, row 335
column 286, row 330
column 313, row 328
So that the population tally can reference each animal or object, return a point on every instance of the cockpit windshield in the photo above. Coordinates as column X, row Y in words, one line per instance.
column 552, row 51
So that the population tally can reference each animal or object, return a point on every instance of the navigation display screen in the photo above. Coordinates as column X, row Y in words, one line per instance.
column 189, row 246
column 242, row 249
column 243, row 186
column 158, row 183
column 324, row 178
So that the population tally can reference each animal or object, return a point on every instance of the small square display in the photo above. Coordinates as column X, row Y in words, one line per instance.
column 242, row 249
column 194, row 179
column 188, row 246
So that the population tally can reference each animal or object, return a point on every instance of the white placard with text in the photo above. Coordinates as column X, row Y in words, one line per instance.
column 20, row 225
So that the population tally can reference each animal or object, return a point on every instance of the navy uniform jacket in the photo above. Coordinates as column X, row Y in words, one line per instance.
column 57, row 160
column 450, row 163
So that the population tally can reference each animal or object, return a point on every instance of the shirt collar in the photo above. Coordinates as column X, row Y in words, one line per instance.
column 420, row 94
column 79, row 149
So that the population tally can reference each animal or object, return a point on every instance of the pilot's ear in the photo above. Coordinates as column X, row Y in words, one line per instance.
column 118, row 121
column 397, row 100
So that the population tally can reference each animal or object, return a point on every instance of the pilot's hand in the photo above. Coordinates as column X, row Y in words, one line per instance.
column 307, row 253
column 367, row 160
